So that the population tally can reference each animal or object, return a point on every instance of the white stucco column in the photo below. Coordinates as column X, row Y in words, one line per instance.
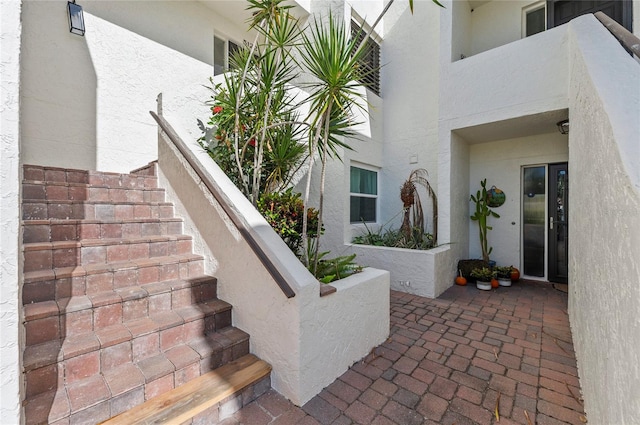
column 9, row 210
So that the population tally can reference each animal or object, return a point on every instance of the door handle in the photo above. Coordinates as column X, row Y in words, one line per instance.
column 551, row 223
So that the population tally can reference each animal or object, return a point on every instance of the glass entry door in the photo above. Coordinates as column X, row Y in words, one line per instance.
column 545, row 222
column 558, row 222
column 534, row 203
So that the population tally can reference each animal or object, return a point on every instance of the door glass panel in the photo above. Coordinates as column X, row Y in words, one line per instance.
column 559, row 228
column 533, row 211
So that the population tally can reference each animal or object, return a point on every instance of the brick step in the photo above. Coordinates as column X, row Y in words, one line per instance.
column 92, row 279
column 98, row 178
column 52, row 320
column 146, row 170
column 107, row 377
column 162, row 295
column 54, row 230
column 62, row 191
column 146, row 336
column 53, row 255
column 202, row 400
column 94, row 210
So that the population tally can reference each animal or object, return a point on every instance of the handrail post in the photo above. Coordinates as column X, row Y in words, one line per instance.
column 630, row 42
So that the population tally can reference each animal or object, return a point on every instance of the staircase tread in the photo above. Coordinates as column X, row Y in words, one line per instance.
column 88, row 201
column 50, row 352
column 87, row 184
column 197, row 395
column 37, row 246
column 48, row 308
column 72, row 221
column 88, row 269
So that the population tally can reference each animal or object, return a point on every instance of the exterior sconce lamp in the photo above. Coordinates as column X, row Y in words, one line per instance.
column 76, row 19
column 563, row 126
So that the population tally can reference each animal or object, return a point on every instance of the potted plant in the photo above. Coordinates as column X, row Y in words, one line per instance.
column 503, row 273
column 480, row 215
column 483, row 277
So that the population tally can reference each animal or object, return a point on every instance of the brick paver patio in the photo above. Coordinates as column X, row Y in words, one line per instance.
column 453, row 360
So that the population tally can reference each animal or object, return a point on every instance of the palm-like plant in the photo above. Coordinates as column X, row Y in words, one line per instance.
column 413, row 220
column 257, row 121
column 331, row 56
column 257, row 117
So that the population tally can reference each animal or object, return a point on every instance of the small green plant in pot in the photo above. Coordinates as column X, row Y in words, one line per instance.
column 483, row 277
column 480, row 215
column 503, row 274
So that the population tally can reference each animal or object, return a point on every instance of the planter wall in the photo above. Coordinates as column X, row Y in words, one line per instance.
column 426, row 273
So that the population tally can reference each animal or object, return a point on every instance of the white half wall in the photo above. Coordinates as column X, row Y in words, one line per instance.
column 308, row 340
column 510, row 81
column 10, row 236
column 604, row 271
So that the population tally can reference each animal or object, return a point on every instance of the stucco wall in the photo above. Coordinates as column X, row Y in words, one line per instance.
column 487, row 88
column 410, row 94
column 309, row 341
column 604, row 271
column 496, row 23
column 501, row 162
column 10, row 177
column 85, row 99
column 461, row 37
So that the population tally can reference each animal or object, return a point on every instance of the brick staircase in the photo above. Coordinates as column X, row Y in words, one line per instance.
column 117, row 309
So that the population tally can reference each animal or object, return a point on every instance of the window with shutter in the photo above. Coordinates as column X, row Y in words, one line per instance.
column 370, row 63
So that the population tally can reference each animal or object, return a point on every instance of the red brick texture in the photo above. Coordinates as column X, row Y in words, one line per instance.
column 116, row 306
column 448, row 361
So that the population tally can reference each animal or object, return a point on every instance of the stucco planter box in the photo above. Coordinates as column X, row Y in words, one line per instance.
column 427, row 273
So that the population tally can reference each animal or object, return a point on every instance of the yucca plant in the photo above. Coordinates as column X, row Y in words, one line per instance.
column 255, row 119
column 331, row 56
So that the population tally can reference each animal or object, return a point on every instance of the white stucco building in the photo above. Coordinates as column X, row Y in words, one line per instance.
column 470, row 91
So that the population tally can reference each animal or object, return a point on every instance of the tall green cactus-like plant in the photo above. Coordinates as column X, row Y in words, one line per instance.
column 481, row 214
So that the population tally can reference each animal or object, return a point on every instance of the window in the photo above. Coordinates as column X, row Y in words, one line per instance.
column 364, row 195
column 222, row 49
column 370, row 62
column 534, row 19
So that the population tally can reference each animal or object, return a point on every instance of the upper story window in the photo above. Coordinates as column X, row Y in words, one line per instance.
column 363, row 195
column 534, row 19
column 222, row 49
column 371, row 59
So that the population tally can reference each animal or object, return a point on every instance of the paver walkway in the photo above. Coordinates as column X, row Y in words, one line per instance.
column 453, row 360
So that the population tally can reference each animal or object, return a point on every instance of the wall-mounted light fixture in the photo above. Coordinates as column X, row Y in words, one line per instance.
column 563, row 126
column 76, row 19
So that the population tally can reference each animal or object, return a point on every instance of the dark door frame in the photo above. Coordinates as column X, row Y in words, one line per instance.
column 557, row 224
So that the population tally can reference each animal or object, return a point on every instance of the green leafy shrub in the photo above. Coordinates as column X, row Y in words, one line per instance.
column 326, row 270
column 503, row 272
column 284, row 212
column 484, row 274
column 396, row 239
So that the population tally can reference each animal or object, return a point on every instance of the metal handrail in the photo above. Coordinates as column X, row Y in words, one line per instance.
column 624, row 36
column 221, row 198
